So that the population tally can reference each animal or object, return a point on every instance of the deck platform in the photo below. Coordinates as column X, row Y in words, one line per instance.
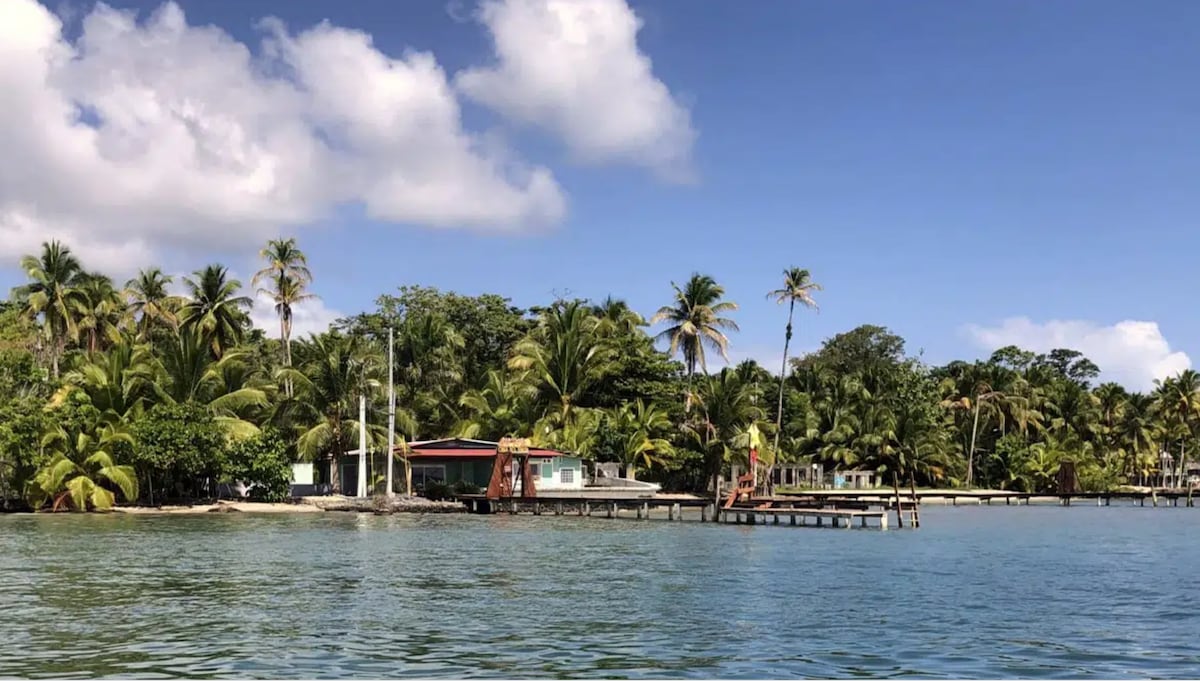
column 837, row 517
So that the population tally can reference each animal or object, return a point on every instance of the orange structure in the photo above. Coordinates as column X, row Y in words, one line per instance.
column 511, row 464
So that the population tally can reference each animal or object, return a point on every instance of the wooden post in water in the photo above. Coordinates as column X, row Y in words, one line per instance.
column 912, row 487
column 899, row 507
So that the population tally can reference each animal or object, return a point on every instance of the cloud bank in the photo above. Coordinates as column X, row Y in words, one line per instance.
column 1132, row 353
column 574, row 68
column 150, row 133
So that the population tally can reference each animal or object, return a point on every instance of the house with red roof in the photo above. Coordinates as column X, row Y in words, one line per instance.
column 452, row 460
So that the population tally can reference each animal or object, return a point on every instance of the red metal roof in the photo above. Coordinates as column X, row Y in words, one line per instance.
column 418, row 452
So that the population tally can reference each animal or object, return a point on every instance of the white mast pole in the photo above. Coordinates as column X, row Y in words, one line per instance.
column 391, row 408
column 362, row 445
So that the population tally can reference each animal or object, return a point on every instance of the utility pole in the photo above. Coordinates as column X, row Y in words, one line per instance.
column 362, row 445
column 391, row 408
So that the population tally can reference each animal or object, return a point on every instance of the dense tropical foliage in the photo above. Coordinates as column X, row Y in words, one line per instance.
column 134, row 394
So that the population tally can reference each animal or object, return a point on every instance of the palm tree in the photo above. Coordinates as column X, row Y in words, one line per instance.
column 976, row 391
column 565, row 355
column 429, row 368
column 1178, row 400
column 643, row 427
column 215, row 309
column 726, row 407
column 52, row 295
column 339, row 369
column 1135, row 432
column 119, row 383
column 101, row 311
column 150, row 301
column 288, row 275
column 189, row 373
column 617, row 317
column 798, row 287
column 503, row 407
column 696, row 322
column 79, row 465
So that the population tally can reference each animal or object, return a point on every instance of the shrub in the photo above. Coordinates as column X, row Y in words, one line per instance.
column 263, row 463
column 175, row 448
column 437, row 491
column 464, row 487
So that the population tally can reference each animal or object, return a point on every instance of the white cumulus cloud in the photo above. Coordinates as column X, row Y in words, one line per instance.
column 143, row 134
column 574, row 68
column 1133, row 353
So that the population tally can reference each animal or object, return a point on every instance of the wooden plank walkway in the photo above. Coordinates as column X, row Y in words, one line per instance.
column 836, row 516
column 886, row 497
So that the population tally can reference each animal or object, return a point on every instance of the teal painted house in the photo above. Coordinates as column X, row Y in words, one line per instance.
column 452, row 460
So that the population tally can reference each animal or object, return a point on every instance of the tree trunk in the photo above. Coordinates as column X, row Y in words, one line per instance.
column 971, row 454
column 285, row 334
column 335, row 486
column 1182, row 459
column 787, row 339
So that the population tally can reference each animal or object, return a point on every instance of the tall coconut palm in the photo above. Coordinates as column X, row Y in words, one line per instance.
column 337, row 371
column 798, row 287
column 150, row 301
column 52, row 295
column 288, row 277
column 214, row 308
column 696, row 322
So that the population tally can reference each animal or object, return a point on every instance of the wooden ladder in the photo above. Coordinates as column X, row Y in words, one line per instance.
column 744, row 485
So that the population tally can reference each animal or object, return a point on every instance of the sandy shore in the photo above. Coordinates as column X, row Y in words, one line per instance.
column 220, row 507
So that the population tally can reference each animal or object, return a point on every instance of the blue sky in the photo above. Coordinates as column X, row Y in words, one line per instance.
column 943, row 168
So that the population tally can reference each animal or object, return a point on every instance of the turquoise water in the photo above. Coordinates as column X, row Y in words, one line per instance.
column 1034, row 592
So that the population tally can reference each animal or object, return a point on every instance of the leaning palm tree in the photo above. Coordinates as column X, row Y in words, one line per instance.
column 696, row 322
column 798, row 287
column 80, row 466
column 214, row 308
column 288, row 277
column 52, row 294
column 150, row 301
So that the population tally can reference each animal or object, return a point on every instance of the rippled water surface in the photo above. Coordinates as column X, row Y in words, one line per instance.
column 977, row 592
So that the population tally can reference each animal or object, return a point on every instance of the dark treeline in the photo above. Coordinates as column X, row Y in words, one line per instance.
column 130, row 393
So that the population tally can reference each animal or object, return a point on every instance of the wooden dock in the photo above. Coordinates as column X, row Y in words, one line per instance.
column 797, row 513
column 641, row 508
column 886, row 498
column 837, row 517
